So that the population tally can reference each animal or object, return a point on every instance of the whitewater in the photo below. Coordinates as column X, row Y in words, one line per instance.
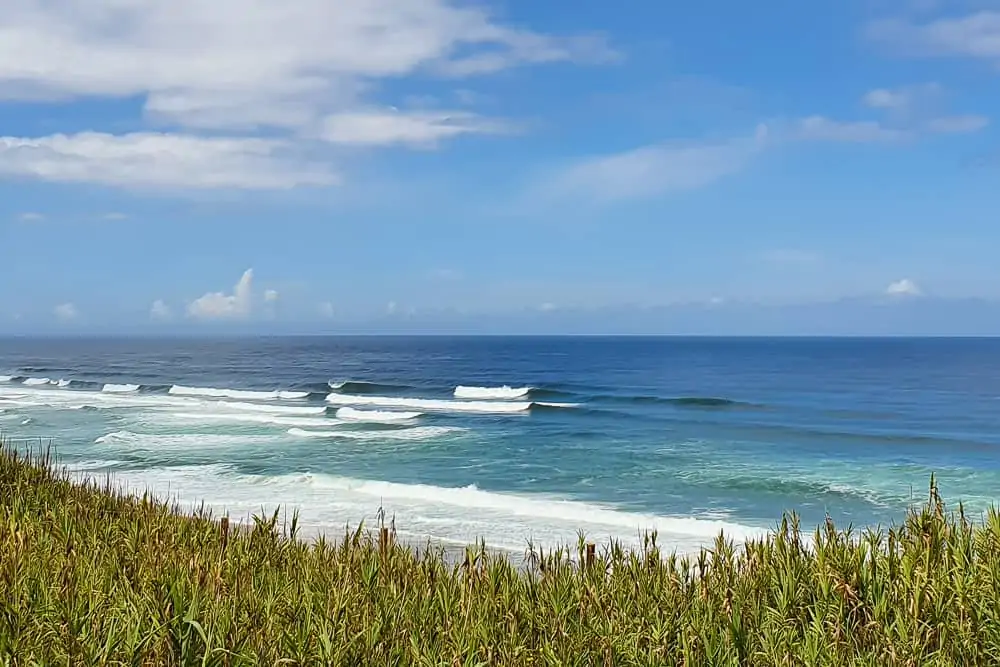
column 518, row 440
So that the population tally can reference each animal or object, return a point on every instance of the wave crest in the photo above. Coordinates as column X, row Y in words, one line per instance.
column 505, row 392
column 116, row 388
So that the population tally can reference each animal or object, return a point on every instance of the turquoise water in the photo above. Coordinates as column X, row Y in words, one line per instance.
column 605, row 436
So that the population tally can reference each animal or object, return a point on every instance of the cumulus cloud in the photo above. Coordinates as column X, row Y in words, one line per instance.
column 270, row 296
column 655, row 170
column 154, row 160
column 223, row 306
column 904, row 287
column 160, row 311
column 66, row 312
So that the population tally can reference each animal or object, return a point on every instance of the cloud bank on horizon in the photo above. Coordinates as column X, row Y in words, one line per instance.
column 455, row 160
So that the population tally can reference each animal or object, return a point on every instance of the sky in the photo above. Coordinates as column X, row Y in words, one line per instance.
column 509, row 166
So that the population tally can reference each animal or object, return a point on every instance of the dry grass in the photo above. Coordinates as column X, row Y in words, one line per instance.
column 91, row 577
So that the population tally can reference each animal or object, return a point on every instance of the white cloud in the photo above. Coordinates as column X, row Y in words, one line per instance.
column 270, row 296
column 222, row 306
column 114, row 216
column 66, row 312
column 820, row 128
column 326, row 310
column 974, row 35
column 904, row 287
column 158, row 161
column 31, row 216
column 244, row 63
column 655, row 170
column 416, row 128
column 957, row 124
column 160, row 311
column 886, row 99
column 903, row 98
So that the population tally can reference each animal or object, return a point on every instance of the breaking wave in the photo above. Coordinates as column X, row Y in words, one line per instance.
column 505, row 392
column 375, row 416
column 116, row 388
column 428, row 404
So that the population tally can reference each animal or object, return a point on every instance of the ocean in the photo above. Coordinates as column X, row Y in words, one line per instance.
column 514, row 440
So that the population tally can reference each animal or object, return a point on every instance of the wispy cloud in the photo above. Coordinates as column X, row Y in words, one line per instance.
column 151, row 160
column 249, row 86
column 654, row 170
column 975, row 35
column 416, row 129
column 957, row 124
column 30, row 216
column 820, row 128
column 902, row 99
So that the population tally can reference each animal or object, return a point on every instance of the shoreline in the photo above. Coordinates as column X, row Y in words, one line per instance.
column 94, row 575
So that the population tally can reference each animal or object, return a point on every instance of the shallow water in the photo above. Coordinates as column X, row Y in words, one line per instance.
column 517, row 439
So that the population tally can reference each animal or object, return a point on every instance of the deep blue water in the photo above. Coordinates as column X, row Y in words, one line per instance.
column 688, row 436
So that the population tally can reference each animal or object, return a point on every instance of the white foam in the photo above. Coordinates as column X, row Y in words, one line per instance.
column 458, row 515
column 375, row 416
column 63, row 383
column 35, row 382
column 271, row 409
column 504, row 393
column 417, row 433
column 193, row 441
column 292, row 395
column 250, row 418
column 429, row 404
column 213, row 392
column 118, row 388
column 6, row 378
column 335, row 385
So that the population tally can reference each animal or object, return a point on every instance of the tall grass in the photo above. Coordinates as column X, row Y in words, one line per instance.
column 89, row 576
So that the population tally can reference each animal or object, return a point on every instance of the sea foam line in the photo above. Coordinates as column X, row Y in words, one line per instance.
column 375, row 416
column 461, row 515
column 244, row 394
column 415, row 433
column 250, row 418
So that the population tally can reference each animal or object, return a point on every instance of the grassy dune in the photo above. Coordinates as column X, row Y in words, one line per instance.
column 91, row 577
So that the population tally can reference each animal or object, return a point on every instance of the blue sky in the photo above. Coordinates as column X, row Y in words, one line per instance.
column 306, row 165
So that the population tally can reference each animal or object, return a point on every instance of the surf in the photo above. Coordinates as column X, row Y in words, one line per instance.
column 504, row 393
column 429, row 404
column 375, row 416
